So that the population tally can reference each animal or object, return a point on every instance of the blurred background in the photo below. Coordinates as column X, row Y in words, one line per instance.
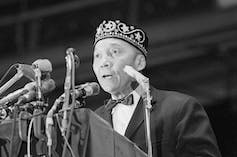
column 192, row 47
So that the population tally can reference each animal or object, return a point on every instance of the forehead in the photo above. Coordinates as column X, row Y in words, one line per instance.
column 112, row 42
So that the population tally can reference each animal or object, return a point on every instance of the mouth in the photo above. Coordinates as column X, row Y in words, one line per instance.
column 107, row 76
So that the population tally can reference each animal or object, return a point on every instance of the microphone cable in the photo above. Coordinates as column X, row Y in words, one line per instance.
column 28, row 137
column 7, row 72
column 13, row 129
column 65, row 138
column 2, row 89
column 67, row 86
column 22, row 133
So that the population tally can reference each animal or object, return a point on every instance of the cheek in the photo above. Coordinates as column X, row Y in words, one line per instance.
column 119, row 65
column 122, row 77
column 95, row 68
column 119, row 68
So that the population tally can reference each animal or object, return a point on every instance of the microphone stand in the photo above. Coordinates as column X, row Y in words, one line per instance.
column 12, row 152
column 49, row 118
column 69, row 82
column 147, row 106
column 67, row 86
column 39, row 104
column 144, row 82
column 38, row 82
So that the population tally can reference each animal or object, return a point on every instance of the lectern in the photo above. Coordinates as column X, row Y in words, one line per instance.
column 90, row 136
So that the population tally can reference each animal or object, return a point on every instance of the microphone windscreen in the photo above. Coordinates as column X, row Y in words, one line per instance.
column 91, row 88
column 95, row 88
column 87, row 89
column 48, row 86
column 43, row 64
column 76, row 58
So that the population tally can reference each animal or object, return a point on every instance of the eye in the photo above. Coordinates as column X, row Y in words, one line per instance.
column 96, row 55
column 114, row 51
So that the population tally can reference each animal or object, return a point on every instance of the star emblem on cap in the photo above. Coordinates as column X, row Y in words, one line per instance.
column 110, row 26
column 138, row 36
column 125, row 28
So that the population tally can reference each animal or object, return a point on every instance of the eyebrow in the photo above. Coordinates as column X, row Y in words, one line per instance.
column 115, row 44
column 111, row 44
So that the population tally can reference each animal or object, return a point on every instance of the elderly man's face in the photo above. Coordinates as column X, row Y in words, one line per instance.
column 110, row 57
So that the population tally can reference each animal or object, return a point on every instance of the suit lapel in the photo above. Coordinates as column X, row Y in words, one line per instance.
column 138, row 116
column 136, row 119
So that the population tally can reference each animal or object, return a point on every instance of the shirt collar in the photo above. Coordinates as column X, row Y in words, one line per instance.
column 136, row 95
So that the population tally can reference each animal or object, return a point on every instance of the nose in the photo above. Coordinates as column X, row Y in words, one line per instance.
column 106, row 62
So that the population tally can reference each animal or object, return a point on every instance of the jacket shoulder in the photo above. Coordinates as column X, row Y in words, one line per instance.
column 171, row 96
column 173, row 100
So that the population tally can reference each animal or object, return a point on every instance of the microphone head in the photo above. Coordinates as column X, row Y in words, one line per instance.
column 30, row 86
column 43, row 64
column 48, row 86
column 76, row 58
column 87, row 89
column 92, row 89
column 70, row 50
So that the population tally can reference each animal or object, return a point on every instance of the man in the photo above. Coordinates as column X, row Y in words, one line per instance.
column 179, row 125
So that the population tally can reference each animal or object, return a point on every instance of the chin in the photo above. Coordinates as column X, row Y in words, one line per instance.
column 108, row 88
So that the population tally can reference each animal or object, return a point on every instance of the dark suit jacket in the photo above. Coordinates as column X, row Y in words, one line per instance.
column 179, row 126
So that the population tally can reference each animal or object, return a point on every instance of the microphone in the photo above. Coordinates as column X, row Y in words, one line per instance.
column 12, row 96
column 47, row 86
column 76, row 58
column 43, row 64
column 27, row 70
column 85, row 90
column 135, row 74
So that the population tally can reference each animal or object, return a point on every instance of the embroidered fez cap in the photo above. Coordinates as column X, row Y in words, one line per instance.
column 117, row 29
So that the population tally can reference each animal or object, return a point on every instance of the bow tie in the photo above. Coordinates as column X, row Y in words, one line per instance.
column 128, row 100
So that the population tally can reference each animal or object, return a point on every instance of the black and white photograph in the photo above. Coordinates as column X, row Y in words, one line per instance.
column 118, row 78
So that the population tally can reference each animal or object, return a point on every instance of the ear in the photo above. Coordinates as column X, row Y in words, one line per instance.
column 140, row 62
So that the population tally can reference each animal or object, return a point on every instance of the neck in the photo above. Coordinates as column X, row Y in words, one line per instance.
column 118, row 95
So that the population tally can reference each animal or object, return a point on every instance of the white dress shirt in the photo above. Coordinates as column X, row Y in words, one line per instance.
column 122, row 114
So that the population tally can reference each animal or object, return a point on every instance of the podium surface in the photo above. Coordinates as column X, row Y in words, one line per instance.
column 90, row 136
